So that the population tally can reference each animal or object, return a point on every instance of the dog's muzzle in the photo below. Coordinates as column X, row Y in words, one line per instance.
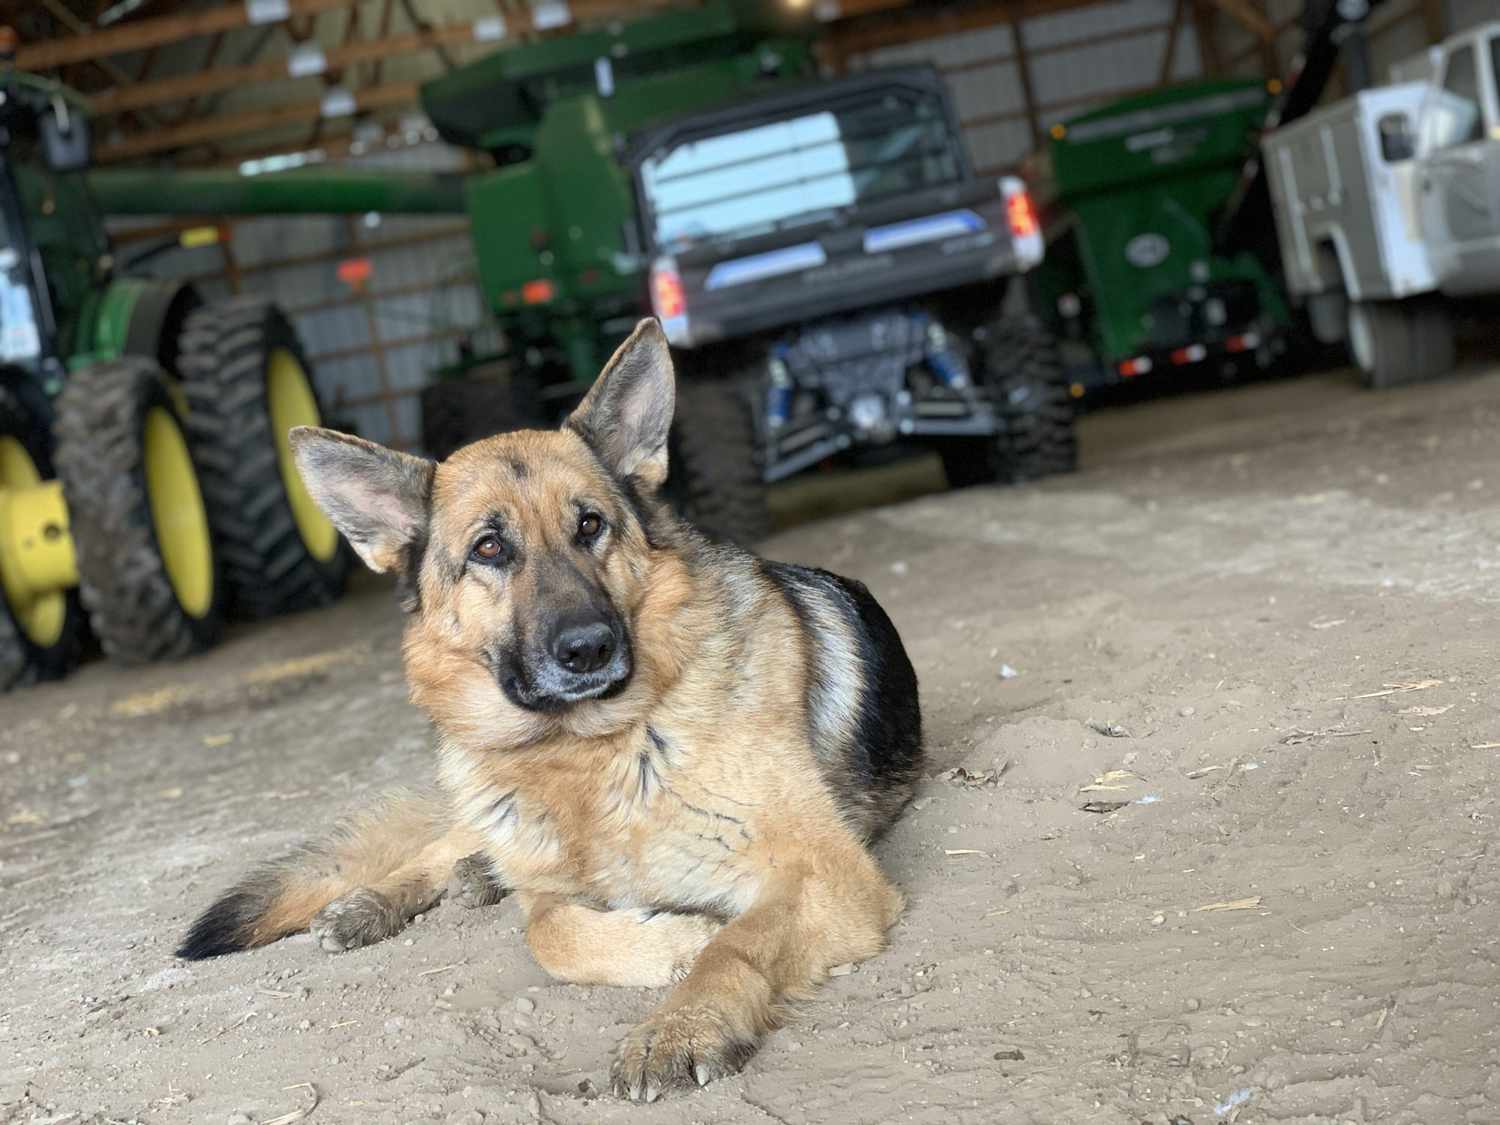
column 577, row 664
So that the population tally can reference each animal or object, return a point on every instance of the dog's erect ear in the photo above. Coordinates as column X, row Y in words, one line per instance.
column 377, row 497
column 625, row 417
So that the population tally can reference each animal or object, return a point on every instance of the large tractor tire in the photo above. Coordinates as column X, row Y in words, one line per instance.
column 42, row 623
column 247, row 385
column 147, row 570
column 1023, row 378
column 1398, row 342
column 714, row 471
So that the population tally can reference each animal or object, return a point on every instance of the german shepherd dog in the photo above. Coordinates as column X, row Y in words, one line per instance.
column 675, row 753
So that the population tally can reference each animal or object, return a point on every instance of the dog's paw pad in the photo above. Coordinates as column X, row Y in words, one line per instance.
column 471, row 884
column 681, row 1048
column 359, row 918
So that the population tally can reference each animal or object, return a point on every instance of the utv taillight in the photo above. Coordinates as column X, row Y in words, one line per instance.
column 1020, row 213
column 666, row 293
column 1021, row 218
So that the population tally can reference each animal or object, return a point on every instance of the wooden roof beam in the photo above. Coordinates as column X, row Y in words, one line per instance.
column 1248, row 16
column 141, row 35
column 226, row 126
column 198, row 83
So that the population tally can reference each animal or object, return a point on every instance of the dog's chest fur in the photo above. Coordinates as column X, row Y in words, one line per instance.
column 640, row 822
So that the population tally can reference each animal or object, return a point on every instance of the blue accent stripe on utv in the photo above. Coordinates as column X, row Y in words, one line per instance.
column 758, row 267
column 910, row 232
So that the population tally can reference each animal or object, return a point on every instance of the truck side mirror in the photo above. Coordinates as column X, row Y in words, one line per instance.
column 1397, row 140
column 64, row 133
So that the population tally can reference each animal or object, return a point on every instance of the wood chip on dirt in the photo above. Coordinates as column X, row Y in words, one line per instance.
column 1235, row 904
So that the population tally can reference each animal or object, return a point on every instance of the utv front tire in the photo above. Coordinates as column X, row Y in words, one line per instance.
column 147, row 569
column 40, row 634
column 1022, row 377
column 714, row 475
column 247, row 385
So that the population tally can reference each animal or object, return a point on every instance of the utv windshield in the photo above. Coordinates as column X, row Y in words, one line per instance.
column 799, row 169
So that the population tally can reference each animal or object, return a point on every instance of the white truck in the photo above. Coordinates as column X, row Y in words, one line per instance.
column 1388, row 202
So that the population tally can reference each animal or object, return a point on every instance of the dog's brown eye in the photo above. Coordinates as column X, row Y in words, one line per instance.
column 589, row 526
column 489, row 548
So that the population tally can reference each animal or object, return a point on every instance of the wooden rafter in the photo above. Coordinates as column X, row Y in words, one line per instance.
column 229, row 125
column 1248, row 16
column 140, row 35
column 1169, row 53
column 1210, row 58
column 1434, row 25
column 866, row 25
column 387, row 11
column 1023, row 71
column 208, row 81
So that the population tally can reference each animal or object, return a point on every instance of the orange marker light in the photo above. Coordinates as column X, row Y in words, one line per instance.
column 538, row 292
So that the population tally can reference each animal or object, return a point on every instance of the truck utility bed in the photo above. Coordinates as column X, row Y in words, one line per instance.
column 1346, row 200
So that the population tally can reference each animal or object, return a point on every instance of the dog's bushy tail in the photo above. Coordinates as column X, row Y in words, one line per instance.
column 281, row 897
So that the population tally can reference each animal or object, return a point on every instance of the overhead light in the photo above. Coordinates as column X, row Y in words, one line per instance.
column 117, row 12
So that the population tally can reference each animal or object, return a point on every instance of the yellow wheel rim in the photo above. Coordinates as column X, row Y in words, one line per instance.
column 177, row 513
column 290, row 395
column 40, row 616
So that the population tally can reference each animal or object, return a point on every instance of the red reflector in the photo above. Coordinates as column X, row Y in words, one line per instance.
column 538, row 292
column 666, row 294
column 1137, row 366
column 1020, row 213
column 355, row 272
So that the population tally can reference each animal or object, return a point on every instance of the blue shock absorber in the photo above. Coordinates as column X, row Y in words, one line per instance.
column 779, row 395
column 945, row 363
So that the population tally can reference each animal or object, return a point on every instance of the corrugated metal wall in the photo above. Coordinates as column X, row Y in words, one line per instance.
column 1076, row 60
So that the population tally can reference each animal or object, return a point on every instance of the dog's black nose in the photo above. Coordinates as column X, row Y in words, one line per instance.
column 584, row 647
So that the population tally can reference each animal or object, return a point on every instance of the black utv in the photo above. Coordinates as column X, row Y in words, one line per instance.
column 831, row 249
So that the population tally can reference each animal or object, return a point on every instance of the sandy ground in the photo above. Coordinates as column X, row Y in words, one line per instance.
column 1260, row 627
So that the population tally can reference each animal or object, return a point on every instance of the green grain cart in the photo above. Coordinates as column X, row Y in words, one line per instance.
column 1133, row 281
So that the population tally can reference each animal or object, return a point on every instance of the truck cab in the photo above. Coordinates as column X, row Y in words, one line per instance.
column 1458, row 154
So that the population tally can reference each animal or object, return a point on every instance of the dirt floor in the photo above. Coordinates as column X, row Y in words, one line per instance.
column 1215, row 747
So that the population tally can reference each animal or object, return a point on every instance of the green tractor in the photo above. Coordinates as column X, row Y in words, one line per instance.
column 146, row 483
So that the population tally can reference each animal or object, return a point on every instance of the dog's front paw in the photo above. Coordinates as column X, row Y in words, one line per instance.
column 471, row 884
column 691, row 1044
column 361, row 917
